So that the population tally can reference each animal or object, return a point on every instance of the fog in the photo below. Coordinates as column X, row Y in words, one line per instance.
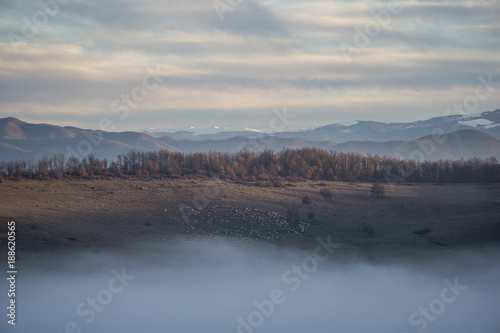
column 222, row 286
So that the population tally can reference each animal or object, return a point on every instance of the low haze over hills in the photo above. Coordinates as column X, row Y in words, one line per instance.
column 449, row 137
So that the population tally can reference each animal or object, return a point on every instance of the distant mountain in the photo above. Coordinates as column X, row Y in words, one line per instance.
column 467, row 136
column 215, row 136
column 213, row 132
column 237, row 143
column 13, row 128
column 452, row 146
column 21, row 140
column 487, row 122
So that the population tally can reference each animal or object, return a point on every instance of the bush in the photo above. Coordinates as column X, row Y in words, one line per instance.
column 422, row 232
column 368, row 230
column 327, row 194
column 306, row 201
column 278, row 182
column 2, row 180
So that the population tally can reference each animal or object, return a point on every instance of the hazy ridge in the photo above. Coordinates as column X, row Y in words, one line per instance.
column 458, row 137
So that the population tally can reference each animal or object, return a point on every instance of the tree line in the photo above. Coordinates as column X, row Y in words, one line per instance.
column 265, row 168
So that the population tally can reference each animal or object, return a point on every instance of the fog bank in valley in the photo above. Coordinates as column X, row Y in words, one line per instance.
column 222, row 286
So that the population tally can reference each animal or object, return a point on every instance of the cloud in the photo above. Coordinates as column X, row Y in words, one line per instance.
column 262, row 55
column 214, row 285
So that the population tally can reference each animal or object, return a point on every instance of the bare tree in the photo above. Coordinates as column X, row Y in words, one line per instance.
column 310, row 215
column 378, row 190
column 292, row 217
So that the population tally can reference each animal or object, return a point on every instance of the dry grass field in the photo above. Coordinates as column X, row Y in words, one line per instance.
column 99, row 215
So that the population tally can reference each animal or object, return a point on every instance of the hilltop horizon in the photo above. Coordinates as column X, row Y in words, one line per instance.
column 452, row 137
column 214, row 128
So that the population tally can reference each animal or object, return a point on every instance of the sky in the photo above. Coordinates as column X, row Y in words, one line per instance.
column 236, row 63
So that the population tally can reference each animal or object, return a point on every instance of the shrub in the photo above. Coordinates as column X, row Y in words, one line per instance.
column 422, row 232
column 327, row 194
column 368, row 230
column 278, row 182
column 307, row 200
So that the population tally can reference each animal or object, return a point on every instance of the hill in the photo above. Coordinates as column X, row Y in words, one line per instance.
column 466, row 137
column 104, row 214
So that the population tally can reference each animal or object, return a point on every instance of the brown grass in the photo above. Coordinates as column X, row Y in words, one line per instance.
column 99, row 214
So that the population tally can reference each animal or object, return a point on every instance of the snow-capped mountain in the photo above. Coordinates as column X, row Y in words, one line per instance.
column 189, row 129
column 487, row 122
column 473, row 135
column 195, row 131
column 357, row 130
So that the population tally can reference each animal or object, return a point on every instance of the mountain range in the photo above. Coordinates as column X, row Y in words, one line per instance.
column 487, row 122
column 448, row 137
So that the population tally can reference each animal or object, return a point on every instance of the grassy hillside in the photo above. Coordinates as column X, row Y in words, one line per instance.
column 104, row 214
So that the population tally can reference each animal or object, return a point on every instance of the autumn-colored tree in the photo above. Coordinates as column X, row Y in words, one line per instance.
column 81, row 171
column 152, row 167
column 268, row 167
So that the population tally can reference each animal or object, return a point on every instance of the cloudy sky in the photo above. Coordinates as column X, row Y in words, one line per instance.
column 172, row 64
